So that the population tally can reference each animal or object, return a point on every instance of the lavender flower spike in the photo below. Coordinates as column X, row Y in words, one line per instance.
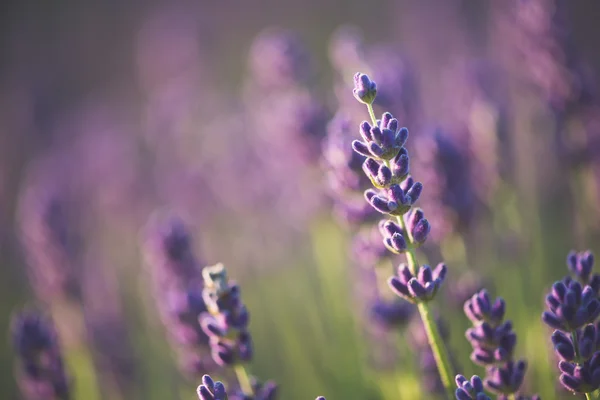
column 226, row 322
column 383, row 141
column 470, row 390
column 211, row 390
column 571, row 306
column 365, row 90
column 421, row 288
column 41, row 373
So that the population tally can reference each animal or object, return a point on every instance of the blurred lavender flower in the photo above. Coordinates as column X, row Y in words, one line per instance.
column 107, row 327
column 446, row 169
column 470, row 389
column 278, row 60
column 226, row 324
column 493, row 342
column 41, row 373
column 392, row 314
column 211, row 390
column 177, row 286
column 48, row 235
column 226, row 321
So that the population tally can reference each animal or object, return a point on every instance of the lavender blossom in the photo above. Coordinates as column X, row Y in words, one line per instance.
column 573, row 309
column 571, row 306
column 581, row 265
column 446, row 169
column 470, row 390
column 365, row 90
column 41, row 373
column 493, row 342
column 382, row 141
column 52, row 245
column 387, row 166
column 420, row 288
column 226, row 324
column 177, row 285
column 211, row 390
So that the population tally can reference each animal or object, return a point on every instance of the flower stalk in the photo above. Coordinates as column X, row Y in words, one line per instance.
column 387, row 167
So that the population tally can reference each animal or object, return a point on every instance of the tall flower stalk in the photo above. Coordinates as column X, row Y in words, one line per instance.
column 387, row 166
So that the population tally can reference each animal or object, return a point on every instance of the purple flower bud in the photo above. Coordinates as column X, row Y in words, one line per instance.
column 365, row 90
column 480, row 308
column 418, row 226
column 581, row 378
column 211, row 390
column 382, row 141
column 581, row 265
column 400, row 166
column 361, row 148
column 470, row 390
column 41, row 372
column 422, row 288
column 506, row 379
column 393, row 236
column 570, row 307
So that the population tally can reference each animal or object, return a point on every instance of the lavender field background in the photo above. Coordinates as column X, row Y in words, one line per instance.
column 219, row 112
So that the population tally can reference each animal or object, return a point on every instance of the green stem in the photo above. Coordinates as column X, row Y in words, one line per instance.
column 440, row 352
column 372, row 114
column 587, row 396
column 243, row 379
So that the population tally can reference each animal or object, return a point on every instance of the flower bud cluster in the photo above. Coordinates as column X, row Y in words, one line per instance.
column 41, row 372
column 387, row 165
column 226, row 322
column 420, row 288
column 493, row 342
column 177, row 285
column 573, row 308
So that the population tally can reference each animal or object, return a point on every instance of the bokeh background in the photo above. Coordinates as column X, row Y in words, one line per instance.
column 217, row 110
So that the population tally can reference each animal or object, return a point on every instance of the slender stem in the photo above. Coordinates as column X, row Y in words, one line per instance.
column 243, row 379
column 372, row 114
column 587, row 396
column 438, row 347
